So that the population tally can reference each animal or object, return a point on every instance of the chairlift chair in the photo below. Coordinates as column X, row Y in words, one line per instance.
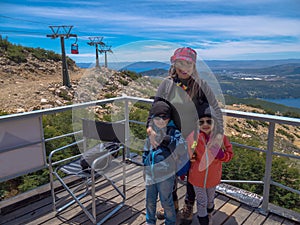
column 74, row 48
column 84, row 181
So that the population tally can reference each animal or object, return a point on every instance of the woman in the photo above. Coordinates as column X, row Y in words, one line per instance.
column 185, row 92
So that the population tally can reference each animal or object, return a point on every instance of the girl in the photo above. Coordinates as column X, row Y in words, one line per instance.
column 206, row 167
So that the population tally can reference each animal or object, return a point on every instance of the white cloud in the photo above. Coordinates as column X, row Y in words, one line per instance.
column 221, row 34
column 242, row 49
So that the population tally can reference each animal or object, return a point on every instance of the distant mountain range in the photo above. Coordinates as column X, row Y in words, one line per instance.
column 146, row 66
column 261, row 66
column 247, row 64
column 282, row 69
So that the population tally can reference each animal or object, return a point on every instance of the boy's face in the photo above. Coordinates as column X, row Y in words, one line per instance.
column 161, row 120
column 206, row 125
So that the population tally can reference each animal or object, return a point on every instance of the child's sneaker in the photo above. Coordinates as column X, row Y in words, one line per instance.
column 160, row 213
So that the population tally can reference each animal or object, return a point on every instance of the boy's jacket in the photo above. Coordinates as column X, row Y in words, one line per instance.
column 160, row 162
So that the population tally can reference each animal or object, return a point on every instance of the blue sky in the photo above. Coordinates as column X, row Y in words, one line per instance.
column 152, row 29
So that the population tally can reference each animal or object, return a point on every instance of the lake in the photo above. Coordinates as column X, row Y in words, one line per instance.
column 294, row 102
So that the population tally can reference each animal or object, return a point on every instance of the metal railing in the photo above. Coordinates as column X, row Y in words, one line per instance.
column 128, row 101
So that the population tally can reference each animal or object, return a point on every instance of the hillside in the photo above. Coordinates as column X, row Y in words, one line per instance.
column 25, row 86
column 23, row 90
column 267, row 79
column 31, row 79
column 280, row 70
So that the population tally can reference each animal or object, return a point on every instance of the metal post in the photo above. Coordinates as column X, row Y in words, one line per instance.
column 94, row 41
column 63, row 32
column 97, row 56
column 105, row 63
column 104, row 49
column 127, row 129
column 268, row 169
column 94, row 213
column 66, row 79
column 52, row 185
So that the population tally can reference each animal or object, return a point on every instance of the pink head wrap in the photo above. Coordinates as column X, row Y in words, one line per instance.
column 185, row 53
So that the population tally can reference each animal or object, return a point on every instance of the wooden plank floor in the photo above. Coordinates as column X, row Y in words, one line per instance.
column 228, row 211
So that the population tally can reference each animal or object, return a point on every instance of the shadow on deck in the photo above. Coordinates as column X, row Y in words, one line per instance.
column 38, row 208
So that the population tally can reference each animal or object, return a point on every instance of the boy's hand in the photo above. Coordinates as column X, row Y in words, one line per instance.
column 194, row 156
column 152, row 134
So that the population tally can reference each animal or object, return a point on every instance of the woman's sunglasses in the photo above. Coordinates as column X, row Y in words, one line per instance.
column 183, row 64
column 164, row 117
column 209, row 122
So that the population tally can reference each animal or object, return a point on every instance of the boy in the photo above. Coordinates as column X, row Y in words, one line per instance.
column 160, row 165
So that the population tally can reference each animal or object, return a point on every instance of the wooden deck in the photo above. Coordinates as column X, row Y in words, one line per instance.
column 39, row 211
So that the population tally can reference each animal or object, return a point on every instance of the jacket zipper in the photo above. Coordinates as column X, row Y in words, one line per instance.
column 206, row 162
column 152, row 163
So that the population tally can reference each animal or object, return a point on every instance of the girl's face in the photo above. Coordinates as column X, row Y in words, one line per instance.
column 161, row 121
column 184, row 69
column 206, row 125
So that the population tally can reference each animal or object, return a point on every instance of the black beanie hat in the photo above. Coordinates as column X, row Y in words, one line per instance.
column 206, row 111
column 161, row 107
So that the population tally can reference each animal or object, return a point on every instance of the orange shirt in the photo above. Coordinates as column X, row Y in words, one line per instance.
column 206, row 171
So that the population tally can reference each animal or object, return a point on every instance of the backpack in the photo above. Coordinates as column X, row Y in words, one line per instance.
column 97, row 151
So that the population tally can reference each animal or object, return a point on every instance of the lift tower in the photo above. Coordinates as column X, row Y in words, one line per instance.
column 95, row 41
column 104, row 49
column 63, row 32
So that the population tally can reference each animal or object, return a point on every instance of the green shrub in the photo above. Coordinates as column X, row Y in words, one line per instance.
column 124, row 82
column 131, row 74
column 16, row 54
column 288, row 135
column 109, row 95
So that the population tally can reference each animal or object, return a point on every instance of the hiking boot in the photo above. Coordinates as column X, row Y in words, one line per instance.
column 203, row 220
column 160, row 213
column 186, row 214
column 210, row 219
column 210, row 214
column 176, row 206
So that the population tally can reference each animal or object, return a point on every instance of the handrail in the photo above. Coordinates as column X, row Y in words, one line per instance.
column 273, row 120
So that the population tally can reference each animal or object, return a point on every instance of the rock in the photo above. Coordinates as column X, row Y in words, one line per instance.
column 20, row 110
column 44, row 101
column 59, row 103
column 48, row 106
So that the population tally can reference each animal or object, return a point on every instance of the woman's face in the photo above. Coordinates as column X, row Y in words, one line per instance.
column 184, row 69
